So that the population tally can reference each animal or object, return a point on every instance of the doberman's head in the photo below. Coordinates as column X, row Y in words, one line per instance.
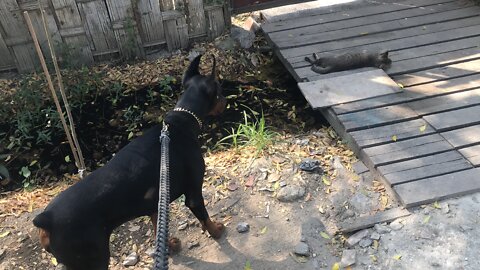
column 203, row 94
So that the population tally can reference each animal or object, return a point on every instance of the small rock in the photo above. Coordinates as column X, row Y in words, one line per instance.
column 131, row 259
column 134, row 228
column 193, row 244
column 60, row 267
column 251, row 25
column 349, row 257
column 382, row 228
column 183, row 226
column 310, row 165
column 445, row 208
column 243, row 227
column 356, row 237
column 375, row 236
column 291, row 193
column 396, row 225
column 364, row 243
column 150, row 252
column 243, row 37
column 302, row 142
column 302, row 249
column 283, row 183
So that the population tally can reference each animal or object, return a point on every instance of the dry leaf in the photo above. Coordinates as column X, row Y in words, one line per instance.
column 336, row 266
column 423, row 128
column 264, row 230
column 397, row 257
column 325, row 235
column 4, row 234
column 394, row 138
column 426, row 219
column 436, row 205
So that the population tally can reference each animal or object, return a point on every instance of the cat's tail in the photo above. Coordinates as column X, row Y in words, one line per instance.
column 321, row 70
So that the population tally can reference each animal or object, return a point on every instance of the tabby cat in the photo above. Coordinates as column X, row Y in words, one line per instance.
column 348, row 61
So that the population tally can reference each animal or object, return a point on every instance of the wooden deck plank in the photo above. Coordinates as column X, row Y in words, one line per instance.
column 386, row 134
column 349, row 25
column 446, row 102
column 328, row 92
column 407, row 149
column 371, row 29
column 440, row 187
column 439, row 73
column 347, row 15
column 454, row 119
column 413, row 93
column 433, row 49
column 463, row 137
column 472, row 153
column 377, row 117
column 424, row 167
column 433, row 61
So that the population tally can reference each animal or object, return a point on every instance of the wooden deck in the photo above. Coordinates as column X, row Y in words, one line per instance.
column 424, row 141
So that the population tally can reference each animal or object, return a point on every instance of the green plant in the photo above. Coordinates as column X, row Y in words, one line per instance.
column 252, row 132
column 116, row 93
column 133, row 117
column 67, row 55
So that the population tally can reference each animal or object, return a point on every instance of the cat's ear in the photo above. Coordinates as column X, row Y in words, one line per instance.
column 383, row 54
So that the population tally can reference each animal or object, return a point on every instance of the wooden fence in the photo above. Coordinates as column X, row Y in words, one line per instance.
column 86, row 31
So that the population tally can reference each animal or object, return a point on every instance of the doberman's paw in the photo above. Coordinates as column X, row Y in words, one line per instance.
column 174, row 245
column 216, row 229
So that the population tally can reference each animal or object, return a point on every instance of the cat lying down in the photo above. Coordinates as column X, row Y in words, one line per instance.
column 327, row 64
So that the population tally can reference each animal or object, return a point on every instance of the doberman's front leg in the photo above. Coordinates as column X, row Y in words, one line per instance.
column 195, row 202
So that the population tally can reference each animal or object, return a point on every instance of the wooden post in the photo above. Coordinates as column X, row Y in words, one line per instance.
column 52, row 88
column 195, row 14
column 176, row 32
column 215, row 21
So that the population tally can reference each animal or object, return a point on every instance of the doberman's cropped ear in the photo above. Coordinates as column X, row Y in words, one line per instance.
column 43, row 221
column 192, row 69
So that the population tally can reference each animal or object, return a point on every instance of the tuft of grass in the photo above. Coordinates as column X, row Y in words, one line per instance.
column 252, row 132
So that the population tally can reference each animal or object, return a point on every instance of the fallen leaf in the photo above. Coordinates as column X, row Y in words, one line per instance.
column 437, row 205
column 325, row 180
column 374, row 258
column 426, row 219
column 423, row 128
column 4, row 234
column 325, row 235
column 54, row 261
column 397, row 257
column 394, row 138
column 264, row 230
column 336, row 266
column 375, row 244
column 400, row 85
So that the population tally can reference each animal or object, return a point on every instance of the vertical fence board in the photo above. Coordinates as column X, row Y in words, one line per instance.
column 124, row 27
column 99, row 28
column 176, row 30
column 72, row 31
column 195, row 18
column 216, row 21
column 151, row 22
column 6, row 60
column 16, row 36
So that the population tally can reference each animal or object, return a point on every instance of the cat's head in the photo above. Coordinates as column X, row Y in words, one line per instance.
column 382, row 61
